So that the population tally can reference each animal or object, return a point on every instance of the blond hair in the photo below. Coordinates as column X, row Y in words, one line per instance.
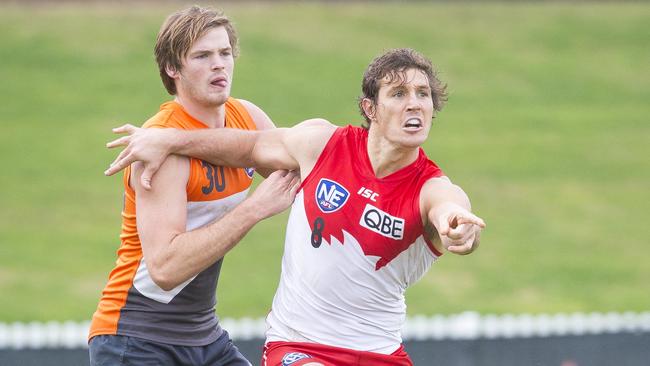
column 179, row 32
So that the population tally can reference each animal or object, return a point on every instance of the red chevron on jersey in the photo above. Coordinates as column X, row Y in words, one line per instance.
column 342, row 193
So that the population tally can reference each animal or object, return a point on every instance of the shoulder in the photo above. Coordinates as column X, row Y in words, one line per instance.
column 306, row 141
column 316, row 124
column 174, row 172
column 165, row 118
column 260, row 118
column 435, row 183
column 250, row 106
column 307, row 131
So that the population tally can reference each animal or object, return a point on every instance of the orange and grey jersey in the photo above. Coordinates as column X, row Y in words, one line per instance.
column 131, row 303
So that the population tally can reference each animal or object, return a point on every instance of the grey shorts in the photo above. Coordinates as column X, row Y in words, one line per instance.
column 114, row 350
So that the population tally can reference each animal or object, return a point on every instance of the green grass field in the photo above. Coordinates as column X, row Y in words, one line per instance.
column 546, row 129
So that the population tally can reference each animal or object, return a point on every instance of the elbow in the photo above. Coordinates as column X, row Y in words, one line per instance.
column 162, row 278
column 459, row 197
column 464, row 200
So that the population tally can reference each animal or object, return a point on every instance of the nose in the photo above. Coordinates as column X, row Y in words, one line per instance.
column 217, row 63
column 413, row 103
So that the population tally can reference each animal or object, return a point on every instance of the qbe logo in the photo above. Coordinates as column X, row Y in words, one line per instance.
column 330, row 195
column 382, row 223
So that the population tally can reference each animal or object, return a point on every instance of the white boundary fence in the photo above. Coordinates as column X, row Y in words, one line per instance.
column 464, row 326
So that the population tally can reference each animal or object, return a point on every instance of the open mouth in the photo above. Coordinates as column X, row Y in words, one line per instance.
column 219, row 81
column 413, row 124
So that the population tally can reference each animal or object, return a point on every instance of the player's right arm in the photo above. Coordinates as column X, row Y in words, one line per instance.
column 448, row 209
column 174, row 255
column 282, row 148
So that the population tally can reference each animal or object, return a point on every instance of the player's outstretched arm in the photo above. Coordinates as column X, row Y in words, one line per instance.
column 282, row 148
column 223, row 146
column 449, row 210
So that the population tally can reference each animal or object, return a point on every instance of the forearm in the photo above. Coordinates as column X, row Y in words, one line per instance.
column 451, row 194
column 274, row 149
column 191, row 252
column 450, row 213
column 222, row 146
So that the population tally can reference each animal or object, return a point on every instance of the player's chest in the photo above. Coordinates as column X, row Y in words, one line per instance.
column 381, row 210
column 384, row 218
column 213, row 182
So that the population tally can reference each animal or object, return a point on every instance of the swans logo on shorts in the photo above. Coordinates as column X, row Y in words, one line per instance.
column 330, row 195
column 292, row 357
column 250, row 172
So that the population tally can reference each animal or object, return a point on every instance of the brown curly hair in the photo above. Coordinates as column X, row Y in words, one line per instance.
column 394, row 64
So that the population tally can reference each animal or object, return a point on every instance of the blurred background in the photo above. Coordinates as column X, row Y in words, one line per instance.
column 546, row 129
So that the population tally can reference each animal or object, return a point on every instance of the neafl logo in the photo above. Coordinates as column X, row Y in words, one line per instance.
column 330, row 195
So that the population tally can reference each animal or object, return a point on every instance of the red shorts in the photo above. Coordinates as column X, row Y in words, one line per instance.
column 298, row 354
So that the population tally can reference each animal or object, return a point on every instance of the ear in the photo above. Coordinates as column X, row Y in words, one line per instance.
column 171, row 71
column 369, row 108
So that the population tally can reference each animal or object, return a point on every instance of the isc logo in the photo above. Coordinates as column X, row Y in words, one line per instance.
column 330, row 195
column 382, row 223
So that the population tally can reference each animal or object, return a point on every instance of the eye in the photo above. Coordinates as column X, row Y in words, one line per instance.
column 202, row 55
column 398, row 94
column 226, row 53
column 424, row 94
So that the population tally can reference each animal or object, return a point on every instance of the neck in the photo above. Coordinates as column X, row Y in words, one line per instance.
column 387, row 157
column 212, row 116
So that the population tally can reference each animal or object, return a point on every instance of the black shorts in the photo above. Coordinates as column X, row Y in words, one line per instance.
column 116, row 350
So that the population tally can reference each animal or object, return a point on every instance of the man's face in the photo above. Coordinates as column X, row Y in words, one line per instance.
column 206, row 75
column 405, row 109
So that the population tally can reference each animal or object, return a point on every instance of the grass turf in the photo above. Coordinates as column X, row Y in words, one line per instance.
column 546, row 129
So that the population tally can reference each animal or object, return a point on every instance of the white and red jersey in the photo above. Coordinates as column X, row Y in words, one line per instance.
column 354, row 243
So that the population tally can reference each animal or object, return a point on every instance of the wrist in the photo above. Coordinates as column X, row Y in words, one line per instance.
column 443, row 208
column 252, row 211
column 177, row 141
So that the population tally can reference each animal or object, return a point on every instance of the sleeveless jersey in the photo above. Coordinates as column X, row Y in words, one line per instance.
column 131, row 303
column 354, row 243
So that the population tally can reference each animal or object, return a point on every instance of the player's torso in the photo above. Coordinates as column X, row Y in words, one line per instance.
column 132, row 303
column 373, row 222
column 355, row 242
column 212, row 191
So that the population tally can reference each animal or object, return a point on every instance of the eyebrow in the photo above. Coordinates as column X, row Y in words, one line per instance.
column 398, row 86
column 403, row 86
column 200, row 51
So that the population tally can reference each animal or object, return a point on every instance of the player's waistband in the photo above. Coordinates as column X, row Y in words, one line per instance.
column 298, row 353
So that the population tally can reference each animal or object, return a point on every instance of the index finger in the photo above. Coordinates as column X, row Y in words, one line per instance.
column 122, row 141
column 120, row 163
column 127, row 128
column 470, row 218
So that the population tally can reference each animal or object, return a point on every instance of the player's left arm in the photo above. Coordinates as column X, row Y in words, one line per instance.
column 262, row 122
column 448, row 209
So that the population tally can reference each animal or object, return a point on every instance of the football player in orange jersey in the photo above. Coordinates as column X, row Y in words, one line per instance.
column 158, row 305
